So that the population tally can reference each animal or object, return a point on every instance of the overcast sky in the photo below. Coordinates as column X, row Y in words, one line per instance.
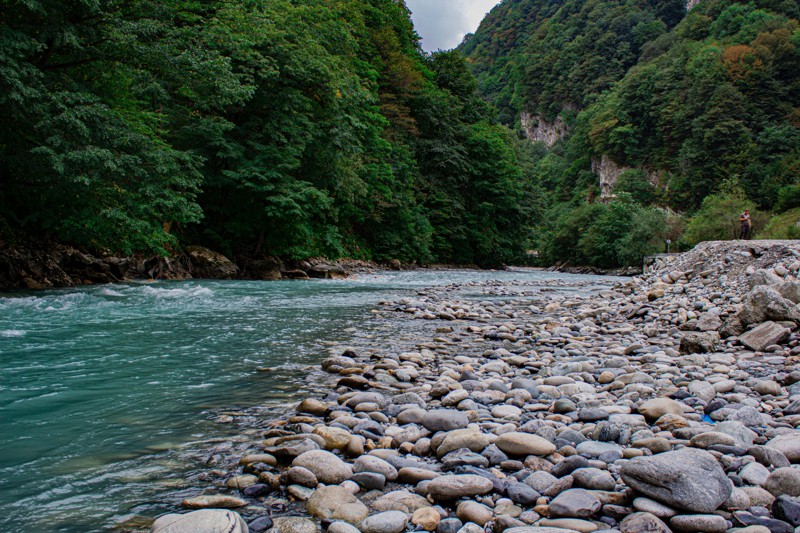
column 443, row 23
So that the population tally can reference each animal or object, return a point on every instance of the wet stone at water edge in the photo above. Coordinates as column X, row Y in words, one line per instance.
column 535, row 409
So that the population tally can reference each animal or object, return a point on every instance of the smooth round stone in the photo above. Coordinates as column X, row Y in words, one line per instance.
column 654, row 444
column 596, row 449
column 726, row 385
column 521, row 493
column 299, row 492
column 400, row 500
column 386, row 522
column 784, row 481
column 413, row 475
column 563, row 406
column 516, row 443
column 474, row 512
column 768, row 387
column 570, row 524
column 788, row 445
column 241, row 482
column 427, row 518
column 295, row 525
column 593, row 479
column 605, row 377
column 259, row 458
column 370, row 463
column 787, row 509
column 328, row 468
column 643, row 523
column 646, row 505
column 335, row 438
column 302, row 476
column 471, row 439
column 754, row 474
column 449, row 525
column 658, row 407
column 203, row 520
column 592, row 414
column 259, row 525
column 336, row 503
column 711, row 438
column 313, row 407
column 574, row 503
column 508, row 412
column 769, row 457
column 220, row 501
column 689, row 478
column 451, row 487
column 369, row 480
column 444, row 420
column 699, row 523
column 342, row 527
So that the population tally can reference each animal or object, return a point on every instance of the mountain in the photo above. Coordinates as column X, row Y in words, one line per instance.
column 643, row 103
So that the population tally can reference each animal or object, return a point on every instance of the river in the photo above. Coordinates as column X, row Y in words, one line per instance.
column 110, row 394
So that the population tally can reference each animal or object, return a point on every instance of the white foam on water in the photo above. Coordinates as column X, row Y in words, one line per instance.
column 110, row 292
column 194, row 292
column 12, row 333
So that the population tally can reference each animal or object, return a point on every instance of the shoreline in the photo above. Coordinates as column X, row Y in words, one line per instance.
column 57, row 265
column 553, row 412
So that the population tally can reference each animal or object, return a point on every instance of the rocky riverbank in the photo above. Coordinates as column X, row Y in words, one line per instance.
column 669, row 402
column 56, row 265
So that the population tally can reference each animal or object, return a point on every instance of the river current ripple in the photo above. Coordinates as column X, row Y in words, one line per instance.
column 110, row 395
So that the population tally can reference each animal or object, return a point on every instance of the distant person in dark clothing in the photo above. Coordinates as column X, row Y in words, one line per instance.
column 745, row 225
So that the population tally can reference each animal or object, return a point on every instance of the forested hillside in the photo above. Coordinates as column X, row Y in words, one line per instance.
column 256, row 128
column 654, row 123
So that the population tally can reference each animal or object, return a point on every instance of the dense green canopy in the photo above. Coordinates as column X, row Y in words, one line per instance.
column 295, row 128
column 690, row 106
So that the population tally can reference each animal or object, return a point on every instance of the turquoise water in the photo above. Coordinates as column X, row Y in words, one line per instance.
column 109, row 394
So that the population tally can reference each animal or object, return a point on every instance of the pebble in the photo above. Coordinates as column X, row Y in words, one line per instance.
column 632, row 405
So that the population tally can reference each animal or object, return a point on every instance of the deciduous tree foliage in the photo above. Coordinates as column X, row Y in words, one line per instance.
column 689, row 102
column 256, row 127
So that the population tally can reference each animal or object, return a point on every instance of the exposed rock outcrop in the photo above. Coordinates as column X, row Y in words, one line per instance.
column 537, row 129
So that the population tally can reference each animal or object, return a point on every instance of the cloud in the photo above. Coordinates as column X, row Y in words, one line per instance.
column 442, row 24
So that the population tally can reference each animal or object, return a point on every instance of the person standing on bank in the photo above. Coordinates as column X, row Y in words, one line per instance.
column 746, row 225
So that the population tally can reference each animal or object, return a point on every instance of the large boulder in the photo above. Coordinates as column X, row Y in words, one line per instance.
column 206, row 520
column 763, row 277
column 210, row 264
column 764, row 335
column 699, row 342
column 762, row 303
column 268, row 269
column 689, row 479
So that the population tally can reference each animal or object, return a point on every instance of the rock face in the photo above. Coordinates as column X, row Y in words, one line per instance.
column 537, row 129
column 688, row 479
column 206, row 520
column 207, row 263
column 608, row 172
